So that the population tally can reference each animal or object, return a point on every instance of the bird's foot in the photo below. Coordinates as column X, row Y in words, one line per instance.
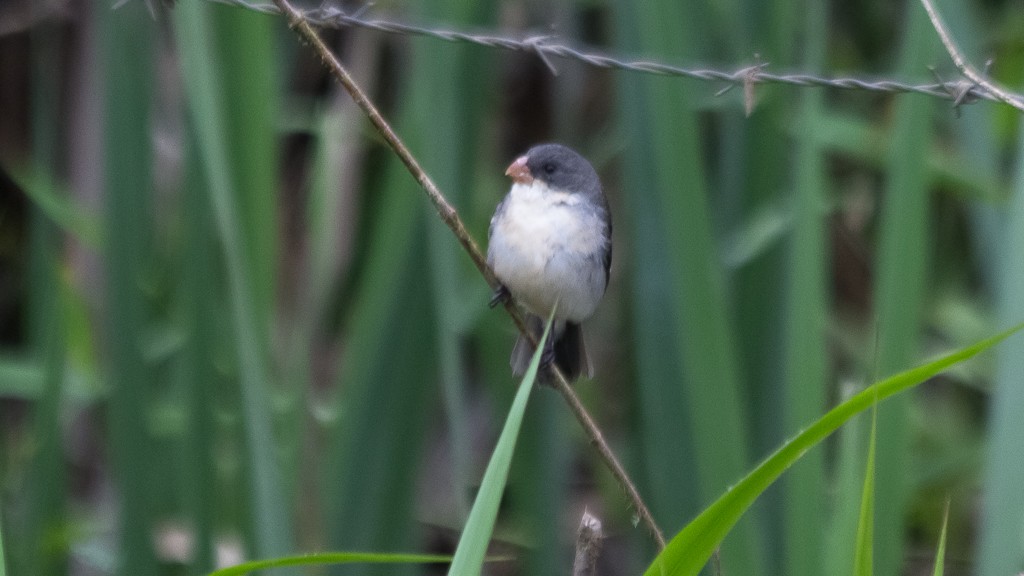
column 501, row 296
column 547, row 357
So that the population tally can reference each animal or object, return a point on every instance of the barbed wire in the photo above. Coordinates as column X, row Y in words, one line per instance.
column 959, row 91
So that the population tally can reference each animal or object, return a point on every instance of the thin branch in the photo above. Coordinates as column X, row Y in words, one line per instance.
column 450, row 217
column 961, row 63
column 543, row 47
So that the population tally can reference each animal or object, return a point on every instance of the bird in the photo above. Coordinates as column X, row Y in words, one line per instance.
column 550, row 241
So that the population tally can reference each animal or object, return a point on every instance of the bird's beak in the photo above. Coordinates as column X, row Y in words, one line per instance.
column 519, row 172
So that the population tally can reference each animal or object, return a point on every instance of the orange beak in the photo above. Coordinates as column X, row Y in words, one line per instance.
column 519, row 172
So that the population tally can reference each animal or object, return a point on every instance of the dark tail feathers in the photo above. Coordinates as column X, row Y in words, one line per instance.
column 570, row 353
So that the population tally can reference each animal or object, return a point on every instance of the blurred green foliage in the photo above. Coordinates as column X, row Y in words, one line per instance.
column 231, row 326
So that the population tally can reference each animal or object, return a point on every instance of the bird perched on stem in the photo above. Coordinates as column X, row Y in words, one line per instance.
column 550, row 242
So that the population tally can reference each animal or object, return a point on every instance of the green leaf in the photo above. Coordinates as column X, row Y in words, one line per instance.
column 691, row 548
column 3, row 563
column 940, row 554
column 902, row 284
column 54, row 202
column 127, row 37
column 681, row 306
column 864, row 552
column 469, row 554
column 999, row 550
column 329, row 558
column 208, row 112
column 805, row 382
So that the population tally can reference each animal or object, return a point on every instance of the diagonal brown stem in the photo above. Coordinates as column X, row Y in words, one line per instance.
column 451, row 218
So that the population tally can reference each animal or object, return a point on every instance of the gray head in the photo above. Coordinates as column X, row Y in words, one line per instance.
column 561, row 168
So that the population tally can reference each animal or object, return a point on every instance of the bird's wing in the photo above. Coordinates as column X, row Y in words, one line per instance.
column 498, row 212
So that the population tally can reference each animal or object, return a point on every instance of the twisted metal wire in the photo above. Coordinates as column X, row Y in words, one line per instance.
column 959, row 91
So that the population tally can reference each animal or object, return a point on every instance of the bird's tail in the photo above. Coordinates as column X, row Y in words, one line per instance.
column 568, row 350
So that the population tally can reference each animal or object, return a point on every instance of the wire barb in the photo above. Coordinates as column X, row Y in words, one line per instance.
column 537, row 42
column 333, row 17
column 984, row 87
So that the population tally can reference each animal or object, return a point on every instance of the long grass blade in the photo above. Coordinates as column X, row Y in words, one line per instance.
column 46, row 524
column 863, row 557
column 449, row 115
column 53, row 202
column 691, row 548
column 940, row 552
column 330, row 558
column 128, row 37
column 3, row 560
column 374, row 454
column 272, row 527
column 903, row 259
column 806, row 312
column 197, row 367
column 999, row 550
column 476, row 535
column 686, row 350
column 847, row 476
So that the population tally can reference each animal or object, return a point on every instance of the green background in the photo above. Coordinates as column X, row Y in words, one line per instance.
column 231, row 324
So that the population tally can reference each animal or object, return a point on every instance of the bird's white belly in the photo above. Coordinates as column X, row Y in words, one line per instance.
column 545, row 249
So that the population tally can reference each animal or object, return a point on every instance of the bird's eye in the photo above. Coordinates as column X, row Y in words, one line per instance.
column 548, row 168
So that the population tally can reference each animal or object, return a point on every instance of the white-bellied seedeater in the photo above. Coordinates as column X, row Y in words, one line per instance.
column 551, row 241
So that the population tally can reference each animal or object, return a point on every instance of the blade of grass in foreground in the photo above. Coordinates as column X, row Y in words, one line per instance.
column 864, row 554
column 841, row 526
column 3, row 563
column 940, row 554
column 328, row 558
column 469, row 554
column 691, row 548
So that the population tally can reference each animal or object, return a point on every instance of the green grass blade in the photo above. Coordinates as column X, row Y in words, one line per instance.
column 55, row 204
column 806, row 361
column 128, row 36
column 3, row 561
column 846, row 477
column 472, row 547
column 863, row 558
column 940, row 553
column 329, row 558
column 21, row 379
column 197, row 361
column 860, row 139
column 901, row 290
column 690, row 549
column 999, row 550
column 272, row 527
column 374, row 458
column 679, row 297
column 46, row 525
column 449, row 114
column 246, row 47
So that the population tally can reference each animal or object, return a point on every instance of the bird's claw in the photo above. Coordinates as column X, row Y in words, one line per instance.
column 501, row 296
column 547, row 357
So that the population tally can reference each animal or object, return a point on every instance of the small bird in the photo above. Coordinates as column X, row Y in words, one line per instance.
column 550, row 241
